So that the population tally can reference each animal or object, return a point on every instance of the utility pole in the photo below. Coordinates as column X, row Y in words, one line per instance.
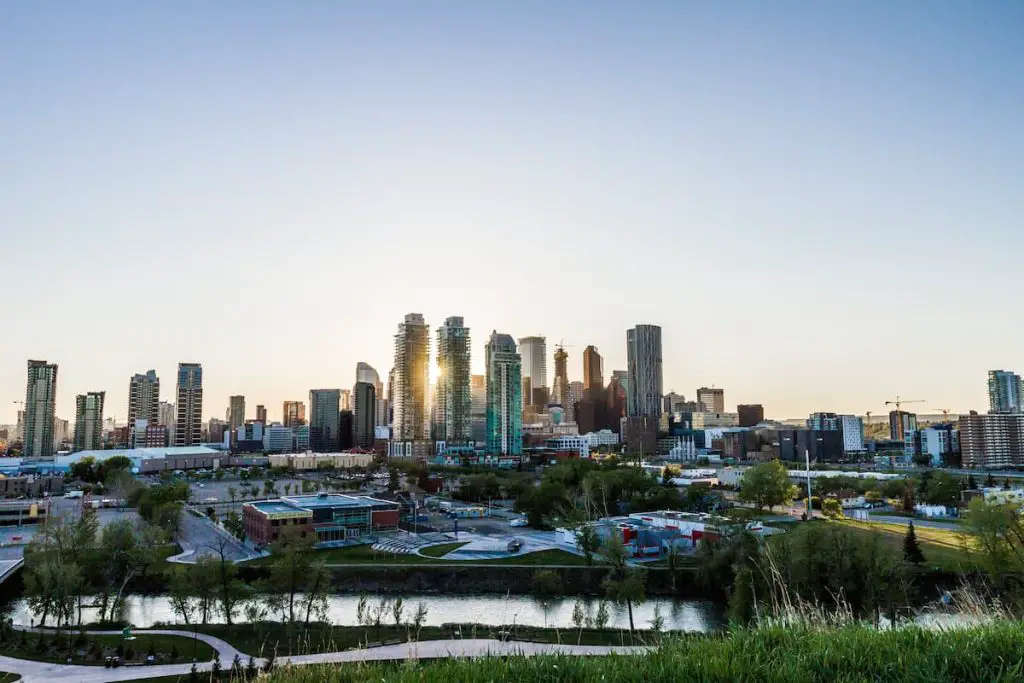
column 807, row 462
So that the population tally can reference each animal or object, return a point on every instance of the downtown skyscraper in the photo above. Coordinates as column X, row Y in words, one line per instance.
column 324, row 414
column 89, row 421
column 411, row 379
column 534, row 352
column 643, row 358
column 188, row 426
column 367, row 373
column 453, row 419
column 504, row 396
column 40, row 399
column 293, row 414
column 365, row 413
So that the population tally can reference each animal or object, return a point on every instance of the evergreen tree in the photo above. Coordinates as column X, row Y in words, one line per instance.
column 911, row 549
column 908, row 499
column 972, row 483
column 990, row 481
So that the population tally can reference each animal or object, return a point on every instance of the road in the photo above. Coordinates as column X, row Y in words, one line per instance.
column 905, row 521
column 432, row 649
column 200, row 537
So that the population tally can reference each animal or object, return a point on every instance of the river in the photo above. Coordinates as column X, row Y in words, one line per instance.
column 680, row 615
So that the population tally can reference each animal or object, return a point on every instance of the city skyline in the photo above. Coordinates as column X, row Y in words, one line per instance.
column 440, row 136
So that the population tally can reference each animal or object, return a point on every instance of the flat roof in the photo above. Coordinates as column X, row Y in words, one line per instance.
column 334, row 500
column 271, row 507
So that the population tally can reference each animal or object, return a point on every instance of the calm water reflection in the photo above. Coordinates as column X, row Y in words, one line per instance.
column 684, row 615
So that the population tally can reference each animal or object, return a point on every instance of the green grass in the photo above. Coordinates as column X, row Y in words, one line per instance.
column 57, row 651
column 989, row 654
column 942, row 548
column 8, row 678
column 441, row 550
column 260, row 639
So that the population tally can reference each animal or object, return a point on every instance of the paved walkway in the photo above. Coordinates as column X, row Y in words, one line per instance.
column 37, row 672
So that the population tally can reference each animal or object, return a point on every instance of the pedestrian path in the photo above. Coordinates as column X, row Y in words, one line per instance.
column 39, row 672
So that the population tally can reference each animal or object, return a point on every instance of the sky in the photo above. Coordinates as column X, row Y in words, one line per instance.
column 821, row 203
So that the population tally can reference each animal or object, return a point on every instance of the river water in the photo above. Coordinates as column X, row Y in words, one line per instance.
column 682, row 615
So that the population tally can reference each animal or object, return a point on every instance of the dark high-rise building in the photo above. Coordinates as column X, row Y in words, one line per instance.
column 346, row 430
column 365, row 414
column 236, row 412
column 261, row 414
column 822, row 446
column 323, row 420
column 750, row 414
column 593, row 370
column 616, row 403
column 188, row 427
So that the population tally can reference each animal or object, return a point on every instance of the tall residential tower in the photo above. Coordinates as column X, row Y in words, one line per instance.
column 1004, row 392
column 452, row 414
column 504, row 396
column 89, row 421
column 411, row 379
column 40, row 398
column 188, row 427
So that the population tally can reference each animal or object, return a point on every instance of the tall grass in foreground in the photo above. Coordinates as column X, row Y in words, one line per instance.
column 991, row 653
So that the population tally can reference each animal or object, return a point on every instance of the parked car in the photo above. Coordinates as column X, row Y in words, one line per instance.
column 517, row 522
column 514, row 546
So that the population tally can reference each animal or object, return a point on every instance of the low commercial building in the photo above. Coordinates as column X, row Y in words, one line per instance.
column 420, row 449
column 602, row 438
column 579, row 444
column 336, row 519
column 313, row 461
column 30, row 486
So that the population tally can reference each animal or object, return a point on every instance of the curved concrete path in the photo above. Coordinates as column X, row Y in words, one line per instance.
column 36, row 672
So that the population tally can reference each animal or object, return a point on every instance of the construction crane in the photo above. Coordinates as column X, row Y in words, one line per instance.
column 899, row 402
column 945, row 413
column 899, row 414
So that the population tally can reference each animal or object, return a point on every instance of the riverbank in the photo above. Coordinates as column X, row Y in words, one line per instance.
column 988, row 654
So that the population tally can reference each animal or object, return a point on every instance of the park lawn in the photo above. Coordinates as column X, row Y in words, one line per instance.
column 943, row 548
column 441, row 550
column 261, row 639
column 8, row 678
column 164, row 646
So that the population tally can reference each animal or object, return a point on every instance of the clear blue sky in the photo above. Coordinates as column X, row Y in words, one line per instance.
column 820, row 202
